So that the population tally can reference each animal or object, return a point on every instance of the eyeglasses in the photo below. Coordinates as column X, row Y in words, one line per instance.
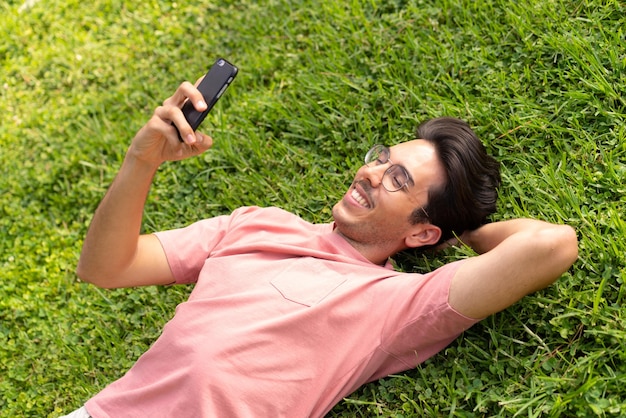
column 395, row 177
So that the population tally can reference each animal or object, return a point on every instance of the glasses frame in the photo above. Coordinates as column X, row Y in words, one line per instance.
column 381, row 150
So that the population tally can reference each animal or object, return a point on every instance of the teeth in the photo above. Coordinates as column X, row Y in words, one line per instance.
column 356, row 196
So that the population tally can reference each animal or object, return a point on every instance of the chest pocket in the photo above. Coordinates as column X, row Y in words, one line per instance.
column 307, row 281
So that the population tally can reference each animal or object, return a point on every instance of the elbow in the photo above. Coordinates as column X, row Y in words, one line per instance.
column 562, row 251
column 568, row 245
column 84, row 275
column 87, row 275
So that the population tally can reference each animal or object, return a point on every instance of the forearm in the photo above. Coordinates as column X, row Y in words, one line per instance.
column 518, row 257
column 112, row 238
column 489, row 236
column 114, row 254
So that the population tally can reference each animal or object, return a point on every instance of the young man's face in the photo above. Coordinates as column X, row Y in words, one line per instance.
column 368, row 214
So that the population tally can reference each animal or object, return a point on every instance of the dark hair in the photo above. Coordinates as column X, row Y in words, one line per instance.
column 470, row 192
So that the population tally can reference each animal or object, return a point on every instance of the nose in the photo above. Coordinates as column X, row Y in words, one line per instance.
column 374, row 173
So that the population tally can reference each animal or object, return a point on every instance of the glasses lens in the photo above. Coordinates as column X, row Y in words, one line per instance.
column 377, row 154
column 395, row 178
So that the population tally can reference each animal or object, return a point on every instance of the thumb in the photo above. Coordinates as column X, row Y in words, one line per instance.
column 203, row 142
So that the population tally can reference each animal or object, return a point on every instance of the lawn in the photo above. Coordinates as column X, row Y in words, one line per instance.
column 542, row 82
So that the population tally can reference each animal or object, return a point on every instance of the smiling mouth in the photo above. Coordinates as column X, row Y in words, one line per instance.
column 359, row 198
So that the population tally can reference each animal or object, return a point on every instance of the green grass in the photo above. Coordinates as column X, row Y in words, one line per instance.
column 542, row 82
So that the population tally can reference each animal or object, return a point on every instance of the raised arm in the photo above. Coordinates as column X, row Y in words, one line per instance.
column 114, row 253
column 517, row 257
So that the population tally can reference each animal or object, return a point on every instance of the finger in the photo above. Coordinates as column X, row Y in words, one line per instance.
column 180, row 95
column 198, row 81
column 196, row 96
column 187, row 91
column 203, row 142
column 167, row 113
column 182, row 127
column 173, row 122
column 452, row 242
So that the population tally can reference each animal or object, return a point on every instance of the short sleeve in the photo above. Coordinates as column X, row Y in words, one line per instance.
column 188, row 248
column 430, row 322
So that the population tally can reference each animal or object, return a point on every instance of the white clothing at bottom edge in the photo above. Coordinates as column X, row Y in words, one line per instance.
column 79, row 413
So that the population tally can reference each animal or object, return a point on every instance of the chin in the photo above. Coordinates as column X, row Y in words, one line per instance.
column 341, row 213
column 336, row 212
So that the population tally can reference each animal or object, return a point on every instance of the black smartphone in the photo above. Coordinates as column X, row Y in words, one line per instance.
column 212, row 86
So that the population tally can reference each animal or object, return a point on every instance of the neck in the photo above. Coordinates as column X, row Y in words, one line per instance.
column 376, row 254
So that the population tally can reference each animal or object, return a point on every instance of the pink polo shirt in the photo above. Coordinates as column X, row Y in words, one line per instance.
column 286, row 318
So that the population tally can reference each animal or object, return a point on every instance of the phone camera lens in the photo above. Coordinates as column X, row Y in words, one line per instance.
column 220, row 63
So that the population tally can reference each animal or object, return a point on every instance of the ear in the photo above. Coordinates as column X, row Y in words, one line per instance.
column 423, row 234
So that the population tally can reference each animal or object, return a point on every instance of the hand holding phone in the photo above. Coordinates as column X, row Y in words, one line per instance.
column 212, row 86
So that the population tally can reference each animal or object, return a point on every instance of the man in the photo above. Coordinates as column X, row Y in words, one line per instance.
column 287, row 317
